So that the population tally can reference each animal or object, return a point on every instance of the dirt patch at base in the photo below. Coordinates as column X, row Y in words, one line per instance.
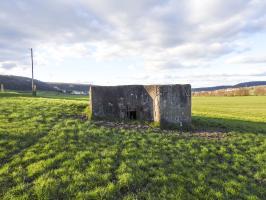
column 123, row 125
column 146, row 127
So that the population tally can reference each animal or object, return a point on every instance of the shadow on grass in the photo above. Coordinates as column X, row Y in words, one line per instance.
column 221, row 124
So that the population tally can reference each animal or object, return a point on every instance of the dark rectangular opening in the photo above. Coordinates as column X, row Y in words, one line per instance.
column 132, row 115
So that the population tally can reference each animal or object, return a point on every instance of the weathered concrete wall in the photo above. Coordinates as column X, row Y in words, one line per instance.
column 175, row 105
column 153, row 91
column 166, row 104
column 115, row 102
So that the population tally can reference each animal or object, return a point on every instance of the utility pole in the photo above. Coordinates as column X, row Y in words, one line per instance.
column 2, row 87
column 33, row 87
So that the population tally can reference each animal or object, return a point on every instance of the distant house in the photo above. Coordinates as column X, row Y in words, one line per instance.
column 79, row 92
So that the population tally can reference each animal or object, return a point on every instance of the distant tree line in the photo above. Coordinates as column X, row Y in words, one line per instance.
column 244, row 91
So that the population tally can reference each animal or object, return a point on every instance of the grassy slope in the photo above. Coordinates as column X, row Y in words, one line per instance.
column 48, row 152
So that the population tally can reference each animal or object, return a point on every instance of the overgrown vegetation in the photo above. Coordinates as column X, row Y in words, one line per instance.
column 48, row 151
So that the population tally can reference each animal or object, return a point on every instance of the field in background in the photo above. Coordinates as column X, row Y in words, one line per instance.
column 250, row 108
column 49, row 151
column 59, row 95
column 230, row 113
column 45, row 94
column 231, row 92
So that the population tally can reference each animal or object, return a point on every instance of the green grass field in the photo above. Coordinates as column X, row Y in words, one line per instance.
column 243, row 114
column 48, row 151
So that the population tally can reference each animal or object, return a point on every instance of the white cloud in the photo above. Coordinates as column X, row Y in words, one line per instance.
column 8, row 65
column 197, row 80
column 247, row 59
column 166, row 35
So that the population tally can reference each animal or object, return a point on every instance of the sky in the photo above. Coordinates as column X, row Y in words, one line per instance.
column 115, row 42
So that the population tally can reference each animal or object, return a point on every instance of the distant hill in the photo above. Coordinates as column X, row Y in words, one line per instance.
column 20, row 83
column 24, row 84
column 211, row 88
column 250, row 84
column 239, row 85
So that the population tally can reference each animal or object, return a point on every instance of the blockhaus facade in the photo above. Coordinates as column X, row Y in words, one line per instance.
column 166, row 104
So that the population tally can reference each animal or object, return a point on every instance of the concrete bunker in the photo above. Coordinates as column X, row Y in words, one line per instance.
column 169, row 105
